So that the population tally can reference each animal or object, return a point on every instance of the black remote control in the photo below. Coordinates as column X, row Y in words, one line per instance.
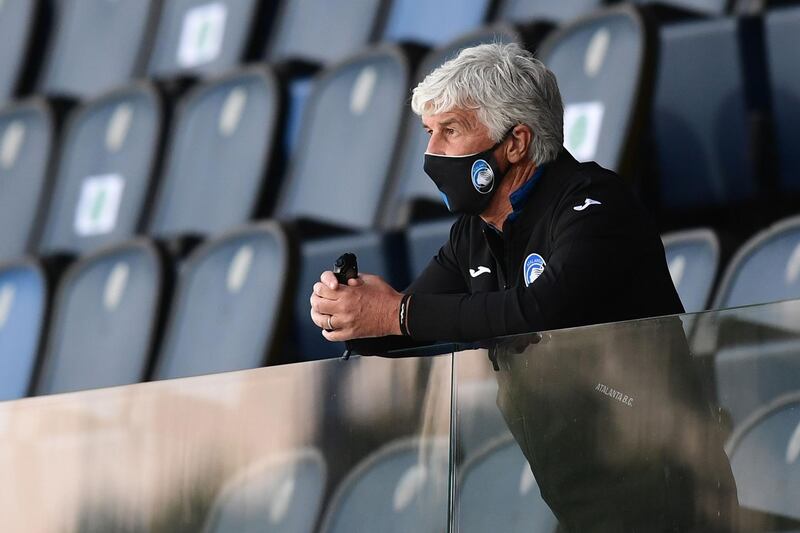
column 346, row 268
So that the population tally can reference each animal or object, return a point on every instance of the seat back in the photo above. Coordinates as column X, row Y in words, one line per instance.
column 433, row 23
column 401, row 487
column 204, row 36
column 782, row 29
column 351, row 125
column 23, row 314
column 560, row 12
column 18, row 25
column 105, row 319
column 424, row 241
column 279, row 495
column 693, row 260
column 764, row 457
column 497, row 492
column 109, row 155
column 604, row 65
column 229, row 299
column 219, row 156
column 765, row 269
column 302, row 30
column 27, row 143
column 701, row 118
column 98, row 45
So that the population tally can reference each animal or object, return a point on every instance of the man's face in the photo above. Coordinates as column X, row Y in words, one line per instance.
column 456, row 132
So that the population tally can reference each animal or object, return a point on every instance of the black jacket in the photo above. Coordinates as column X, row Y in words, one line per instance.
column 596, row 251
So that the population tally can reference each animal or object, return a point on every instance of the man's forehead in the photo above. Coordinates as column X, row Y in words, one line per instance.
column 462, row 116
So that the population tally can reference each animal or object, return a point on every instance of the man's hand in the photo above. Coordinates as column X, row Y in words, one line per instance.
column 365, row 307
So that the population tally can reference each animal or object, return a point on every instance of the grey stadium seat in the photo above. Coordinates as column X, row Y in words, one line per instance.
column 219, row 158
column 206, row 36
column 22, row 30
column 497, row 492
column 424, row 241
column 604, row 64
column 24, row 300
column 559, row 12
column 27, row 147
column 279, row 494
column 693, row 258
column 319, row 31
column 765, row 458
column 229, row 300
column 401, row 487
column 433, row 23
column 108, row 159
column 106, row 314
column 701, row 118
column 782, row 30
column 351, row 125
column 98, row 45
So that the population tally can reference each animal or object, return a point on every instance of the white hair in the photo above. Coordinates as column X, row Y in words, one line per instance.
column 506, row 86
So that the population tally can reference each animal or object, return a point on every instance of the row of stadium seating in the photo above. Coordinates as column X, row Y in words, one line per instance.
column 126, row 313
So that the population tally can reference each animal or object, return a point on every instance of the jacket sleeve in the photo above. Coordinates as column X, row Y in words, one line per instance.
column 594, row 253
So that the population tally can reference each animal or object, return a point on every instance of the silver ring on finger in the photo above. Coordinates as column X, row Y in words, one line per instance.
column 330, row 326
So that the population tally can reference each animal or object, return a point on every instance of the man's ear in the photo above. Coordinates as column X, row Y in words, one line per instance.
column 521, row 137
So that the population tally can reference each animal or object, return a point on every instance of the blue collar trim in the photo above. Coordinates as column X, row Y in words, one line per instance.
column 520, row 197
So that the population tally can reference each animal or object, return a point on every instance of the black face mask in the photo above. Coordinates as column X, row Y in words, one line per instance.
column 467, row 182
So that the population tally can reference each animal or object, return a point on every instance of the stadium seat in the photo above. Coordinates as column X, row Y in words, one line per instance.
column 559, row 12
column 414, row 194
column 424, row 241
column 377, row 254
column 764, row 455
column 319, row 31
column 219, row 158
column 279, row 495
column 700, row 116
column 108, row 159
column 228, row 304
column 23, row 27
column 604, row 64
column 401, row 487
column 765, row 269
column 350, row 128
column 497, row 492
column 202, row 37
column 24, row 291
column 693, row 258
column 782, row 30
column 98, row 45
column 433, row 23
column 105, row 320
column 27, row 146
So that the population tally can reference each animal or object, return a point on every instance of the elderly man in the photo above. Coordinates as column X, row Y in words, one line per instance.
column 543, row 241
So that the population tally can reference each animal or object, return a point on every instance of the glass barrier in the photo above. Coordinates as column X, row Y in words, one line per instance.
column 687, row 423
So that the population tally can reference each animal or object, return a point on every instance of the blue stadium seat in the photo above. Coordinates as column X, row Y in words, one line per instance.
column 765, row 269
column 27, row 145
column 765, row 458
column 279, row 495
column 782, row 31
column 602, row 63
column 433, row 23
column 228, row 302
column 218, row 160
column 401, row 487
column 693, row 258
column 377, row 254
column 319, row 31
column 107, row 163
column 24, row 291
column 351, row 125
column 424, row 241
column 202, row 37
column 497, row 492
column 700, row 116
column 105, row 317
column 414, row 194
column 20, row 32
column 559, row 12
column 98, row 45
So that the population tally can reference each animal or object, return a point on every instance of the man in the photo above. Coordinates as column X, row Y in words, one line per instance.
column 543, row 242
